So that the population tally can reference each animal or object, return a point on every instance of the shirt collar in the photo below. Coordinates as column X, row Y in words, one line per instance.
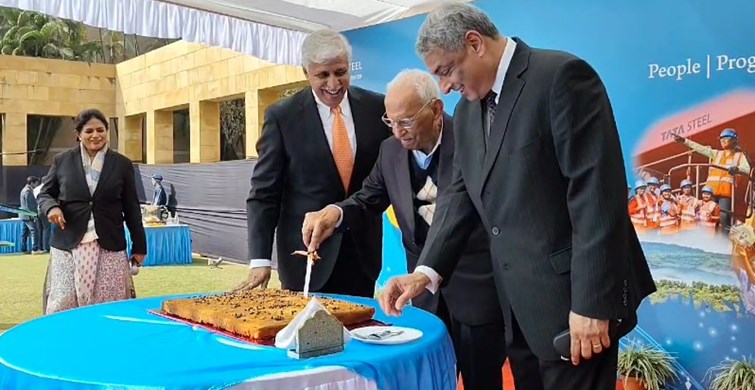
column 422, row 159
column 503, row 67
column 345, row 107
column 85, row 156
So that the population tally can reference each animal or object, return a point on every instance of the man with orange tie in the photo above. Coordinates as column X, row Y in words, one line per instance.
column 316, row 148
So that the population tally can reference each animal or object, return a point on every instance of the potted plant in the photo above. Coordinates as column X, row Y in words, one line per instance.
column 643, row 367
column 733, row 375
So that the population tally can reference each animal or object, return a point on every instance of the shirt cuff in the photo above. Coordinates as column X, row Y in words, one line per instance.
column 259, row 263
column 340, row 218
column 435, row 279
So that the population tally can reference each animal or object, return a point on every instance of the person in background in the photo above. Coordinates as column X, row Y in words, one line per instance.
column 412, row 170
column 652, row 213
column 638, row 206
column 29, row 232
column 89, row 193
column 316, row 148
column 708, row 211
column 161, row 197
column 42, row 224
column 538, row 159
column 688, row 206
column 733, row 158
column 653, row 184
column 669, row 208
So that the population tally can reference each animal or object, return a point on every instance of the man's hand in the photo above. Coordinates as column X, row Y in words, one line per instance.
column 588, row 337
column 400, row 290
column 678, row 138
column 258, row 277
column 318, row 226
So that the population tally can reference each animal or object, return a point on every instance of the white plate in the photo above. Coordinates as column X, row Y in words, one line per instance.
column 408, row 335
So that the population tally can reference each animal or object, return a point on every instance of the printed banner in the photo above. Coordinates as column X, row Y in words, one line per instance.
column 681, row 78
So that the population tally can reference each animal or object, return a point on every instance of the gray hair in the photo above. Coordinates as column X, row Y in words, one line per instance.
column 446, row 27
column 423, row 82
column 324, row 46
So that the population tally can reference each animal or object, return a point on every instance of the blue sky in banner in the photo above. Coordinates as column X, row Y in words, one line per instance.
column 620, row 39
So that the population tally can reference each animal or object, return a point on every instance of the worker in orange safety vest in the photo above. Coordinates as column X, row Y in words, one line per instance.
column 669, row 210
column 688, row 205
column 652, row 195
column 709, row 212
column 721, row 182
column 638, row 205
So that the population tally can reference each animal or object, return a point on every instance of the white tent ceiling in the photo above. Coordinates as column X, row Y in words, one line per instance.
column 309, row 15
column 268, row 29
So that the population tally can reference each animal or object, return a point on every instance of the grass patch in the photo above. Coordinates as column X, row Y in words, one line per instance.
column 21, row 278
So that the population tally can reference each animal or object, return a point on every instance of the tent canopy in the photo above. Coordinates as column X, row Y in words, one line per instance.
column 268, row 29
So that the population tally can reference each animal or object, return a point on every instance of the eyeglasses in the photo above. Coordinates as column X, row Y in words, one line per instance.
column 405, row 123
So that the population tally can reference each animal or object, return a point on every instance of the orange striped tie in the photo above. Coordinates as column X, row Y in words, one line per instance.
column 342, row 153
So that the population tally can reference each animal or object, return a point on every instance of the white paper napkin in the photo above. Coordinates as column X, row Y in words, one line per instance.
column 286, row 337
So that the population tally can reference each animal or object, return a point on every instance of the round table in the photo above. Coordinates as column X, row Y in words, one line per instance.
column 121, row 344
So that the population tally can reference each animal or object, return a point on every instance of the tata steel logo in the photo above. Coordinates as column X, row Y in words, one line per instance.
column 356, row 70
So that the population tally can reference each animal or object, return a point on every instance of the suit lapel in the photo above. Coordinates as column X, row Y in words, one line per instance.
column 404, row 183
column 474, row 112
column 78, row 169
column 512, row 89
column 107, row 169
column 314, row 135
column 446, row 153
column 361, row 124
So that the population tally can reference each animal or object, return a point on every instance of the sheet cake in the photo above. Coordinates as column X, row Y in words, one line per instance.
column 258, row 314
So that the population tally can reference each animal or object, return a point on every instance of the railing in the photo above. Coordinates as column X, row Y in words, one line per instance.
column 698, row 185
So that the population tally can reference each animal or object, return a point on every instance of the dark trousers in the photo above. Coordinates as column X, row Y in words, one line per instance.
column 480, row 350
column 29, row 233
column 724, row 202
column 598, row 373
column 43, row 227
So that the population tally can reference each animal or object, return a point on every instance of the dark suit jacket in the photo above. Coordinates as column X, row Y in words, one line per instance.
column 470, row 292
column 551, row 192
column 296, row 174
column 113, row 203
column 28, row 202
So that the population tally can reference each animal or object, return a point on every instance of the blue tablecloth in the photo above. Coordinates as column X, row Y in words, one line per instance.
column 120, row 345
column 10, row 231
column 166, row 245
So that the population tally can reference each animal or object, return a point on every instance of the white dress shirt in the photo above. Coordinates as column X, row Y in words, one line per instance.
column 503, row 66
column 327, row 118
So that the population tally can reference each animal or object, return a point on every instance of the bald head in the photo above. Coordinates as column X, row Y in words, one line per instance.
column 414, row 109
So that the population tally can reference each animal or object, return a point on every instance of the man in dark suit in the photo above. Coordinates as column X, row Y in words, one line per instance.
column 29, row 233
column 316, row 148
column 414, row 166
column 538, row 158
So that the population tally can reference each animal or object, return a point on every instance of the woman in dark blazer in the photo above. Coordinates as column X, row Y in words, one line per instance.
column 89, row 193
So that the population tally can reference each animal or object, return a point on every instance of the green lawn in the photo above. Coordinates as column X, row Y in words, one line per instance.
column 21, row 279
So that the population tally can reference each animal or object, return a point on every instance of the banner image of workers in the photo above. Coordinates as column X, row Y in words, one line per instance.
column 681, row 79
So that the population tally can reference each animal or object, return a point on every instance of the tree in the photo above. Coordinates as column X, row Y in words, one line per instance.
column 27, row 33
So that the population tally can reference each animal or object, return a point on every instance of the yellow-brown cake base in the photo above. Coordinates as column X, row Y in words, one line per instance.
column 258, row 314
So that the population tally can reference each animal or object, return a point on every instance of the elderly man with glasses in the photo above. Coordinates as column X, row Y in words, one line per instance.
column 413, row 167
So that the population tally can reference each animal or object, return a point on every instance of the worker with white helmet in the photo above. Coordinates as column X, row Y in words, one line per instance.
column 669, row 209
column 709, row 212
column 688, row 205
column 638, row 205
column 653, row 195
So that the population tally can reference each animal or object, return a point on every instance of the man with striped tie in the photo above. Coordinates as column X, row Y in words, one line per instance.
column 316, row 148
